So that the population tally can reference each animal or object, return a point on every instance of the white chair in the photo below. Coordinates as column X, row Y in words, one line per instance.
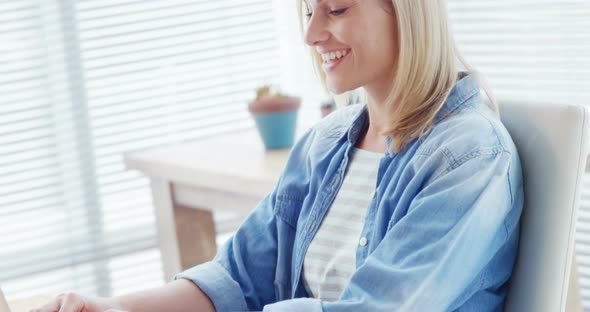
column 552, row 141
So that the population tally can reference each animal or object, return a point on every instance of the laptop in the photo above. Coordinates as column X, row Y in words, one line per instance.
column 3, row 304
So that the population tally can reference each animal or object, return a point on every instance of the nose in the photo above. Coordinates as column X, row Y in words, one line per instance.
column 316, row 32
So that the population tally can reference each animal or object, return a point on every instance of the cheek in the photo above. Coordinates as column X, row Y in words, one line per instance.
column 385, row 48
column 369, row 47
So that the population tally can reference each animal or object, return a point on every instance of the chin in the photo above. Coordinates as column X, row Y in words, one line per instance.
column 339, row 87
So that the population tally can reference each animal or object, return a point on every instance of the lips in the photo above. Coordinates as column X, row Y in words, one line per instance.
column 331, row 63
column 333, row 55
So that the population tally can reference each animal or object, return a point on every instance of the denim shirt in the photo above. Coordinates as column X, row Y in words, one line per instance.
column 442, row 228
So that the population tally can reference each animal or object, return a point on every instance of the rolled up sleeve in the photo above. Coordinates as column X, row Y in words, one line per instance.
column 217, row 284
column 242, row 274
column 236, row 279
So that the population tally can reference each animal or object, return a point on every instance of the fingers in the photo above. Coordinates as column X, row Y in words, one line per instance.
column 52, row 306
column 72, row 302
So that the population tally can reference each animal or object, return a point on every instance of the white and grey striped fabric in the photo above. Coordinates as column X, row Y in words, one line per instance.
column 330, row 259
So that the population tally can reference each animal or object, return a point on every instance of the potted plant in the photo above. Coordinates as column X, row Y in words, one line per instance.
column 275, row 115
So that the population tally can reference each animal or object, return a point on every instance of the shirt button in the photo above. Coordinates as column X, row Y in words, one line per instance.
column 363, row 241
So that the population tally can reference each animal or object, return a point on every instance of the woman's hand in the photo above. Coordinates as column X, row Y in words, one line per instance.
column 72, row 302
column 176, row 296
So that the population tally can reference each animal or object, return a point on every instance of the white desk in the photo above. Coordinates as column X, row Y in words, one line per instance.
column 190, row 181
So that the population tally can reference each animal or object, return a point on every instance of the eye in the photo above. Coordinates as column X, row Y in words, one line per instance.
column 307, row 12
column 338, row 12
column 306, row 9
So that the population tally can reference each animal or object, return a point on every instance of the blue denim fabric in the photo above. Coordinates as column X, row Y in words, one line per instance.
column 442, row 228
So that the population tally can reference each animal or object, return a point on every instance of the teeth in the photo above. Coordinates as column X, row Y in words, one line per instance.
column 334, row 55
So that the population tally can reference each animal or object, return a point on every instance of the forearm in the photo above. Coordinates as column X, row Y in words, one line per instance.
column 179, row 295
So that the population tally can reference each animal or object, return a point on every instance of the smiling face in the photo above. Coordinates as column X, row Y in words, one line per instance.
column 357, row 41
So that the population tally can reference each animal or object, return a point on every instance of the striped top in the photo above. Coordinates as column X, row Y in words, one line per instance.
column 331, row 257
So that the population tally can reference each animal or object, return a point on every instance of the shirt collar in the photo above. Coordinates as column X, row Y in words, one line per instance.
column 359, row 124
column 466, row 87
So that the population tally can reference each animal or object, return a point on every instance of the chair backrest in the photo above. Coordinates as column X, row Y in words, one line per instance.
column 552, row 141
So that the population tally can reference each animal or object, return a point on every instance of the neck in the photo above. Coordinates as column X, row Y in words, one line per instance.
column 379, row 113
column 373, row 139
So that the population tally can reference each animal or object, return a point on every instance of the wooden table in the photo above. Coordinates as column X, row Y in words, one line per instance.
column 190, row 182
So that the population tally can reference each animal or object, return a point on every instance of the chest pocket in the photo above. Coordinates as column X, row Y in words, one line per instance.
column 287, row 208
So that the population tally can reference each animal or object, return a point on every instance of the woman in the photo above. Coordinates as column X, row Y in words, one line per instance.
column 408, row 203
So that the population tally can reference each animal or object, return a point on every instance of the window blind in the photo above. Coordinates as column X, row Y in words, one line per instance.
column 81, row 83
column 537, row 51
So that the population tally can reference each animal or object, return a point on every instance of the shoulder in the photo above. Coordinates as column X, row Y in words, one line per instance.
column 472, row 132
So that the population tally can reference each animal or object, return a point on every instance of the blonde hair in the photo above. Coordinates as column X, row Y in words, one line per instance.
column 427, row 68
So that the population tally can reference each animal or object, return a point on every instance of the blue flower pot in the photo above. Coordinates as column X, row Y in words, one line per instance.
column 277, row 130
